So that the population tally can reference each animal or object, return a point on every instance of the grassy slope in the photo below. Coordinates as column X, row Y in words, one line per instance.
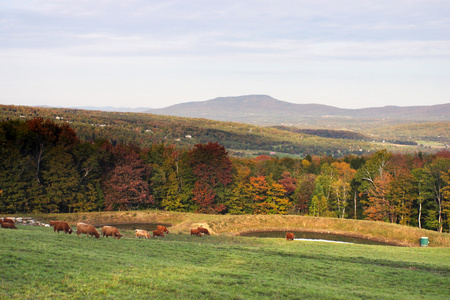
column 438, row 132
column 234, row 224
column 39, row 264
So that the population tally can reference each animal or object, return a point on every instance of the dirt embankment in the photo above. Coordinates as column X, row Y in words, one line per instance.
column 236, row 224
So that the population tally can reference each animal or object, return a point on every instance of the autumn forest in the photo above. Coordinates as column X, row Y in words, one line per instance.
column 46, row 167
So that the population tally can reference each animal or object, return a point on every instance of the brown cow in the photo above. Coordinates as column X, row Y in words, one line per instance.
column 196, row 232
column 162, row 228
column 8, row 220
column 8, row 225
column 88, row 229
column 204, row 230
column 289, row 236
column 62, row 226
column 52, row 223
column 157, row 233
column 142, row 233
column 111, row 231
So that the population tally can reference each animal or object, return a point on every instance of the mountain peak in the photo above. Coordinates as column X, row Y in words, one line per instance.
column 264, row 109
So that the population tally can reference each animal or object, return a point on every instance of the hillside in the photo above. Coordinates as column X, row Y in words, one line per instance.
column 147, row 129
column 319, row 136
column 234, row 225
column 423, row 133
column 265, row 110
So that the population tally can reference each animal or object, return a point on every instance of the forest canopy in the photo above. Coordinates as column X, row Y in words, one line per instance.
column 46, row 167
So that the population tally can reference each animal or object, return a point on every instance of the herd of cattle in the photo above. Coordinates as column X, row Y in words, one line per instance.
column 89, row 230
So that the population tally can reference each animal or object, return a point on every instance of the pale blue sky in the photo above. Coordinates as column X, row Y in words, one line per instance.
column 345, row 53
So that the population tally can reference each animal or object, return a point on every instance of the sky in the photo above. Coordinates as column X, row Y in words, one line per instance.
column 343, row 53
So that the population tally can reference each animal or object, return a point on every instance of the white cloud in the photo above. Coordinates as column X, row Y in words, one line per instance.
column 219, row 48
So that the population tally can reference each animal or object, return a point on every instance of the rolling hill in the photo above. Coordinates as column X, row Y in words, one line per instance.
column 265, row 110
column 294, row 128
column 147, row 129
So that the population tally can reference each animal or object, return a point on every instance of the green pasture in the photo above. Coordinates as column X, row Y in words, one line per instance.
column 37, row 263
column 432, row 144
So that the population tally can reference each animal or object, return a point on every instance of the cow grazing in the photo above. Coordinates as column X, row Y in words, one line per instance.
column 88, row 229
column 162, row 228
column 196, row 232
column 203, row 230
column 289, row 236
column 8, row 220
column 157, row 233
column 52, row 223
column 142, row 233
column 111, row 231
column 62, row 226
column 8, row 225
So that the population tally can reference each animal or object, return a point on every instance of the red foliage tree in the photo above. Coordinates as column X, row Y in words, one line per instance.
column 127, row 186
column 204, row 196
column 211, row 163
column 212, row 168
column 262, row 158
column 380, row 206
column 289, row 183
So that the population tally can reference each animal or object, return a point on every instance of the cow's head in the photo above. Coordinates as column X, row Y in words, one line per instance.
column 118, row 235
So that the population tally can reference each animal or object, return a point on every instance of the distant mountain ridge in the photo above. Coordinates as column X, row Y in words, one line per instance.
column 263, row 109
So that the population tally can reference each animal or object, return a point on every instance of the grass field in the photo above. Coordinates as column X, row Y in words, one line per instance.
column 37, row 263
column 231, row 225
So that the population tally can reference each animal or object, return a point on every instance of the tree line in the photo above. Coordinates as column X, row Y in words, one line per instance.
column 45, row 167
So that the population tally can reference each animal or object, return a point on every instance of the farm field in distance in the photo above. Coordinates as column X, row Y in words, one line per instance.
column 40, row 264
